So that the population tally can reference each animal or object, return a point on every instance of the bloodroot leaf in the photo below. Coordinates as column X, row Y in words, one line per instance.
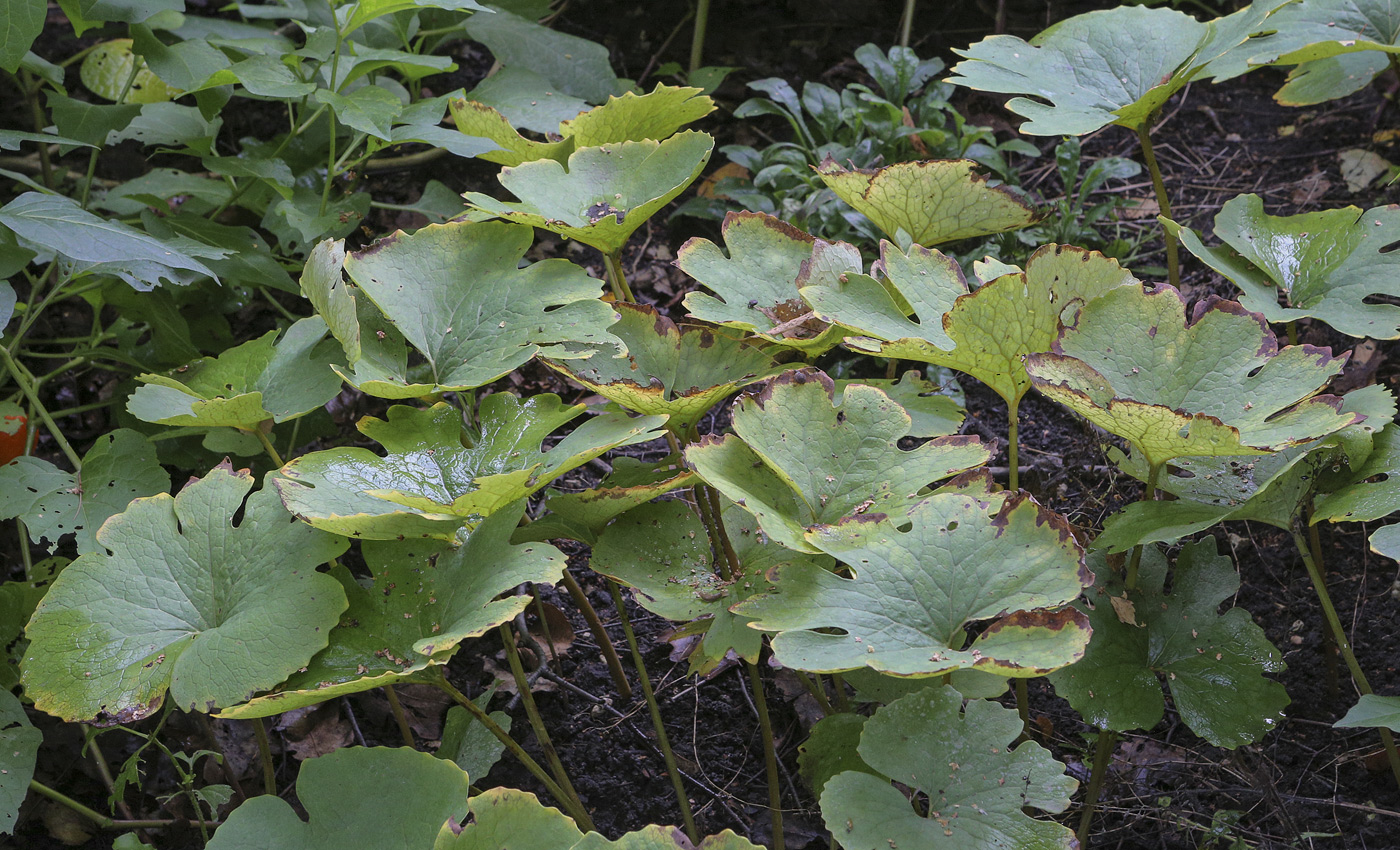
column 931, row 202
column 425, row 598
column 19, row 748
column 388, row 799
column 962, row 560
column 183, row 599
column 797, row 460
column 1213, row 663
column 119, row 467
column 1371, row 711
column 678, row 371
column 1217, row 385
column 1328, row 265
column 582, row 516
column 961, row 758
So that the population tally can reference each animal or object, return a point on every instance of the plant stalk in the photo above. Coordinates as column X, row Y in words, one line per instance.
column 574, row 807
column 1339, row 634
column 1164, row 205
column 265, row 755
column 1013, row 436
column 532, row 711
column 600, row 634
column 770, row 754
column 405, row 731
column 1103, row 754
column 99, row 819
column 616, row 279
column 1149, row 493
column 906, row 22
column 697, row 40
column 657, row 723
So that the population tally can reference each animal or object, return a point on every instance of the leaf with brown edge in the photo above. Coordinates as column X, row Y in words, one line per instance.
column 929, row 203
column 920, row 581
column 1216, row 385
column 797, row 460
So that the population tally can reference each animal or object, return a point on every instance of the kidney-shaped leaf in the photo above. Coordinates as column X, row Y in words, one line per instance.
column 961, row 757
column 796, row 460
column 1214, row 664
column 119, row 467
column 1326, row 264
column 388, row 799
column 678, row 371
column 425, row 598
column 457, row 294
column 757, row 282
column 963, row 560
column 1116, row 66
column 1373, row 491
column 605, row 193
column 931, row 202
column 261, row 379
column 19, row 748
column 1217, row 385
column 184, row 599
column 987, row 332
column 430, row 483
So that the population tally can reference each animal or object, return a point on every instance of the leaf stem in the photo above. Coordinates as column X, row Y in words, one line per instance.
column 25, row 381
column 770, row 753
column 600, row 634
column 1013, row 436
column 575, row 809
column 616, row 279
column 269, row 448
column 906, row 23
column 1339, row 635
column 269, row 770
column 101, row 820
column 399, row 717
column 532, row 711
column 1149, row 493
column 697, row 39
column 1164, row 204
column 657, row 724
column 1103, row 754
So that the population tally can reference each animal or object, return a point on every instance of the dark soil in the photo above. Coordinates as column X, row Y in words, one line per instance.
column 1305, row 785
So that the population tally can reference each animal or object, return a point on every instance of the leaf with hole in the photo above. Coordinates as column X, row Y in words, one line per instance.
column 183, row 599
column 389, row 799
column 921, row 580
column 756, row 283
column 1216, row 385
column 1214, row 663
column 961, row 757
column 432, row 481
column 797, row 461
column 19, row 750
column 605, row 193
column 935, row 406
column 113, row 72
column 424, row 598
column 1332, row 265
column 680, row 371
column 119, row 467
column 930, row 202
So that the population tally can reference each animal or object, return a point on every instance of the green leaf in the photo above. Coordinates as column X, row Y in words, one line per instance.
column 263, row 76
column 930, row 202
column 606, row 192
column 183, row 66
column 962, row 560
column 1218, row 385
column 457, row 293
column 108, row 68
column 1371, row 492
column 831, row 749
column 961, row 757
column 467, row 743
column 757, row 282
column 425, row 598
column 935, row 407
column 260, row 380
column 17, row 32
column 633, row 117
column 1386, row 541
column 678, row 371
column 1117, row 66
column 967, row 331
column 1213, row 663
column 95, row 245
column 481, row 120
column 389, row 799
column 576, row 66
column 582, row 516
column 17, row 602
column 352, row 16
column 662, row 550
column 369, row 109
column 797, row 461
column 119, row 467
column 527, row 100
column 184, row 600
column 19, row 750
column 430, row 484
column 1372, row 712
column 1327, row 265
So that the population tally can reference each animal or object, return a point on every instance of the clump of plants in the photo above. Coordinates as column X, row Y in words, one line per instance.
column 844, row 530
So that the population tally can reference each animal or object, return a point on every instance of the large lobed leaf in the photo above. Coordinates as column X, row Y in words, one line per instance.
column 1217, row 385
column 183, row 599
column 797, row 460
column 430, row 483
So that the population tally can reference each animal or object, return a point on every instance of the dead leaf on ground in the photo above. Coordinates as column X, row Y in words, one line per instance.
column 1311, row 188
column 1360, row 168
column 1124, row 608
column 1360, row 370
column 499, row 670
column 315, row 731
column 557, row 635
column 425, row 706
column 1137, row 208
